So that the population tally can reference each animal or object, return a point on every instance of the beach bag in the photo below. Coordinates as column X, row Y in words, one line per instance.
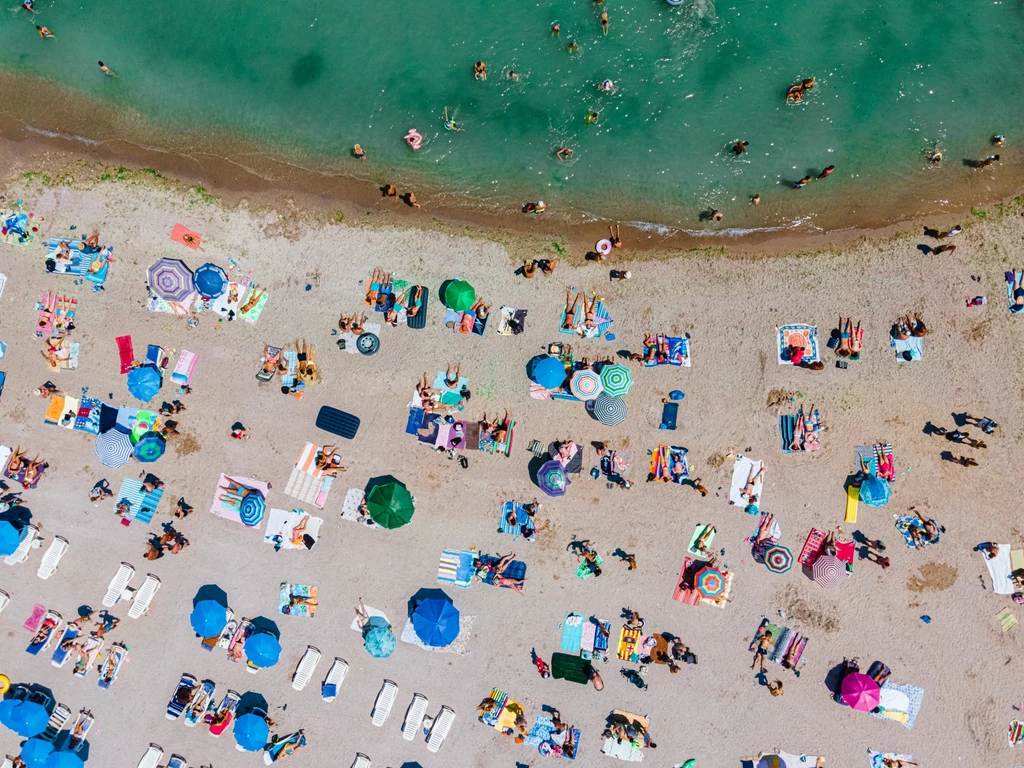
column 690, row 658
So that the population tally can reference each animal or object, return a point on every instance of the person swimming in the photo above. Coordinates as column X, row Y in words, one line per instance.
column 592, row 118
column 107, row 70
column 607, row 86
column 740, row 147
column 449, row 122
column 480, row 71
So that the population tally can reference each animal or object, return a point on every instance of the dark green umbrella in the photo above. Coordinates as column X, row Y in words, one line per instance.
column 459, row 295
column 390, row 504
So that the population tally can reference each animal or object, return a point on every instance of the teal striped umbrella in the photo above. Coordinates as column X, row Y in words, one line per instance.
column 616, row 380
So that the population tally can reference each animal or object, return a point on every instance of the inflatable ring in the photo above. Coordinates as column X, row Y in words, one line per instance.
column 691, row 763
column 604, row 247
column 368, row 343
column 5, row 684
column 414, row 139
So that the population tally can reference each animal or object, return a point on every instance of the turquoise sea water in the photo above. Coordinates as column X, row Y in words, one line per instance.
column 893, row 79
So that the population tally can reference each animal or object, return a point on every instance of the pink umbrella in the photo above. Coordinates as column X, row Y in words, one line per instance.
column 860, row 691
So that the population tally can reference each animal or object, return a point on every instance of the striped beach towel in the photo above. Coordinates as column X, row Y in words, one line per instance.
column 141, row 506
column 629, row 640
column 186, row 365
column 306, row 482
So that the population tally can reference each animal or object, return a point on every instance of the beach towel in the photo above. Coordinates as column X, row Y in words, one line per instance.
column 254, row 312
column 684, row 591
column 698, row 531
column 226, row 503
column 516, row 569
column 350, row 508
column 663, row 461
column 141, row 505
column 999, row 569
column 774, row 534
column 741, row 472
column 66, row 353
column 868, row 454
column 185, row 236
column 55, row 410
column 542, row 733
column 628, row 751
column 797, row 335
column 285, row 594
column 1007, row 619
column 513, row 321
column 456, row 567
column 585, row 571
column 351, row 338
column 280, row 524
column 1015, row 733
column 524, row 525
column 601, row 321
column 185, row 366
column 906, row 523
column 17, row 227
column 307, row 483
column 292, row 358
column 852, row 502
column 878, row 758
column 812, row 547
column 900, row 703
column 914, row 345
column 572, row 632
column 458, row 646
column 35, row 619
column 90, row 411
column 678, row 353
column 377, row 618
column 125, row 352
column 787, row 432
column 784, row 641
column 629, row 645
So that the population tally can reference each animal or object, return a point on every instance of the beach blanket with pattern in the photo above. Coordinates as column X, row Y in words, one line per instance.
column 678, row 352
column 542, row 735
column 669, row 464
column 794, row 336
column 307, row 483
column 900, row 703
column 907, row 523
column 288, row 591
column 602, row 321
column 17, row 227
column 788, row 645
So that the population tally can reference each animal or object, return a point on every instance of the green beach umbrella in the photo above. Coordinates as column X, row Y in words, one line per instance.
column 390, row 504
column 616, row 380
column 459, row 295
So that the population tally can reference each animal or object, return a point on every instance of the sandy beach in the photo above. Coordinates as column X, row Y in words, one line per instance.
column 728, row 301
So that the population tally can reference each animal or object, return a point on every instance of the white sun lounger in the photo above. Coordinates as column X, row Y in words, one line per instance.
column 152, row 757
column 335, row 677
column 59, row 718
column 118, row 584
column 28, row 537
column 385, row 700
column 52, row 556
column 439, row 729
column 5, row 600
column 140, row 605
column 177, row 761
column 414, row 716
column 7, row 763
column 361, row 761
column 304, row 671
column 82, row 725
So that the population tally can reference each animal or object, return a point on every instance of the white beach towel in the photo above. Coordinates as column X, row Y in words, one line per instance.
column 281, row 522
column 740, row 473
column 351, row 338
column 350, row 509
column 999, row 569
column 371, row 612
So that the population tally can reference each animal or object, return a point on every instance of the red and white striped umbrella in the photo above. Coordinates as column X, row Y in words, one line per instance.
column 829, row 571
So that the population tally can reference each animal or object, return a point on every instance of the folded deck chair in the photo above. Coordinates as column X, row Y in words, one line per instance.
column 152, row 757
column 361, row 761
column 335, row 677
column 59, row 718
column 414, row 716
column 304, row 671
column 442, row 724
column 28, row 536
column 385, row 700
column 140, row 605
column 51, row 559
column 118, row 584
column 5, row 600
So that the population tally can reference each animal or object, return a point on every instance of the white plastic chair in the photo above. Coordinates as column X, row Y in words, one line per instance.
column 5, row 600
column 140, row 605
column 335, row 677
column 152, row 757
column 438, row 731
column 52, row 556
column 361, row 761
column 414, row 716
column 304, row 671
column 385, row 700
column 59, row 718
column 28, row 536
column 118, row 584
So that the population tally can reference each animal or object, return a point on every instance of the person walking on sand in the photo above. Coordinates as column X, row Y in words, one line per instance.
column 107, row 70
column 775, row 688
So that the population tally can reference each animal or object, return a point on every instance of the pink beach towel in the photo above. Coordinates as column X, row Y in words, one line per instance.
column 33, row 622
column 186, row 365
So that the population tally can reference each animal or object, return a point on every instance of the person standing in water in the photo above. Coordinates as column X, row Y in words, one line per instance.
column 740, row 147
column 573, row 46
column 45, row 32
column 827, row 172
column 803, row 182
column 449, row 123
column 592, row 118
column 480, row 71
column 513, row 76
column 565, row 153
column 555, row 29
column 107, row 70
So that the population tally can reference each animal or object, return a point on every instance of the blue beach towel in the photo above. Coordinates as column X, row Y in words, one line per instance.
column 88, row 417
column 523, row 528
column 288, row 379
column 601, row 318
column 904, row 525
column 572, row 633
column 669, row 414
column 412, row 426
column 141, row 506
column 542, row 731
column 1011, row 278
column 914, row 345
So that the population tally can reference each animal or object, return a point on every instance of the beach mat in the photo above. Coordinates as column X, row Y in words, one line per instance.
column 740, row 473
column 852, row 502
column 798, row 334
column 350, row 509
column 307, row 483
column 284, row 596
column 669, row 415
column 141, row 506
column 280, row 523
column 999, row 569
column 572, row 632
column 914, row 345
column 456, row 568
column 900, row 703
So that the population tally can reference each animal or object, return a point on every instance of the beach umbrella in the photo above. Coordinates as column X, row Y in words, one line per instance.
column 552, row 479
column 459, row 295
column 35, row 752
column 10, row 538
column 151, row 446
column 710, row 582
column 253, row 508
column 390, row 504
column 829, row 571
column 616, row 379
column 114, row 448
column 28, row 719
column 210, row 280
column 6, row 708
column 610, row 410
column 171, row 280
column 208, row 618
column 860, row 691
column 546, row 371
column 64, row 759
column 778, row 559
column 144, row 382
column 586, row 384
column 251, row 732
column 262, row 649
column 875, row 491
column 436, row 622
column 379, row 641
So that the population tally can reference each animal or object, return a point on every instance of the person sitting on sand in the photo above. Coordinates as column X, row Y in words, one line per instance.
column 917, row 327
column 901, row 329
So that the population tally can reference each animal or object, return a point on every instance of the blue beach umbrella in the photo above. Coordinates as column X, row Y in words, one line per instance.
column 144, row 382
column 35, row 752
column 10, row 538
column 251, row 732
column 875, row 491
column 6, row 708
column 262, row 649
column 252, row 508
column 548, row 372
column 28, row 719
column 210, row 280
column 208, row 618
column 151, row 446
column 436, row 622
column 379, row 641
column 64, row 760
